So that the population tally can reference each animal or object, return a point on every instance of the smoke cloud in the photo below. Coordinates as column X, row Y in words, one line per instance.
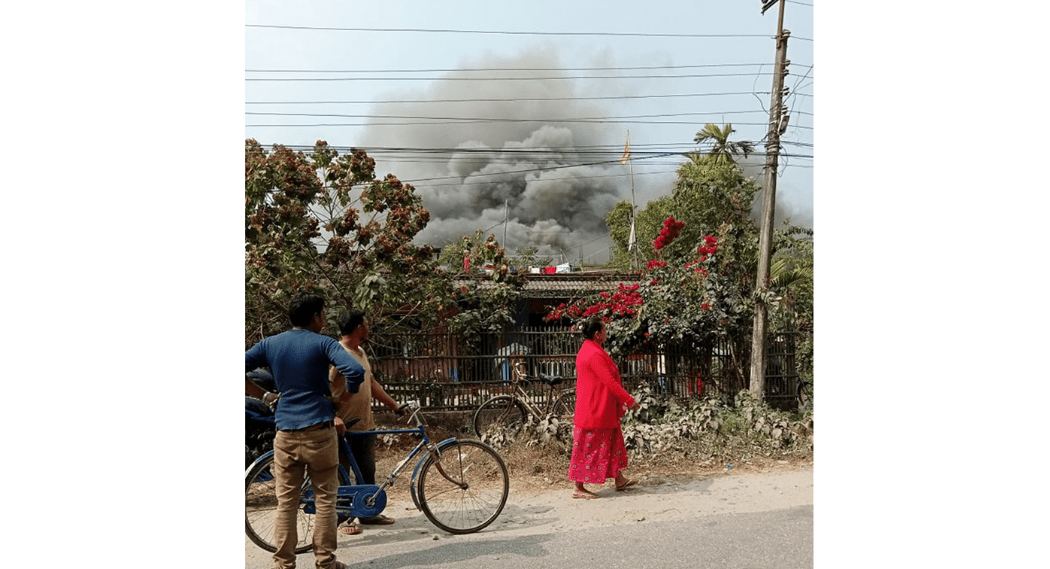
column 514, row 177
column 505, row 167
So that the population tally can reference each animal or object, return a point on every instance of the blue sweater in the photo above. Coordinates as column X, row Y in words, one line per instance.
column 299, row 361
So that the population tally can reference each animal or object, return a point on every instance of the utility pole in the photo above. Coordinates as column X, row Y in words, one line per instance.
column 777, row 120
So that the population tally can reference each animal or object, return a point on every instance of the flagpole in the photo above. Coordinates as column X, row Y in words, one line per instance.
column 632, row 247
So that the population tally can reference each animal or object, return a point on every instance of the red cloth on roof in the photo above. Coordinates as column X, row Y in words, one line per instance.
column 600, row 396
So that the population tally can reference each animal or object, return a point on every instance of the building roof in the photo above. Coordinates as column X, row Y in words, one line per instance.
column 561, row 285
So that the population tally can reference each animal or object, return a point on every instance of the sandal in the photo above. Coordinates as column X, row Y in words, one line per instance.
column 584, row 495
column 379, row 520
column 350, row 528
column 626, row 485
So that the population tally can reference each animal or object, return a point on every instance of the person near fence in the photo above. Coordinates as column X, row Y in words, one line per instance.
column 598, row 450
column 353, row 331
column 305, row 443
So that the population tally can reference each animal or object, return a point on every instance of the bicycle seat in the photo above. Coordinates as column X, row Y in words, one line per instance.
column 551, row 380
column 263, row 378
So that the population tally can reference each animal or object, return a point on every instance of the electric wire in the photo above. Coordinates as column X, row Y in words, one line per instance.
column 515, row 69
column 475, row 122
column 512, row 33
column 516, row 78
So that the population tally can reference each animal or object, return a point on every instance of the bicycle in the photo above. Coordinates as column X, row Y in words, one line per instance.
column 460, row 485
column 506, row 414
column 804, row 394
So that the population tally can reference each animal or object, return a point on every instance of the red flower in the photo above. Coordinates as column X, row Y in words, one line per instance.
column 672, row 229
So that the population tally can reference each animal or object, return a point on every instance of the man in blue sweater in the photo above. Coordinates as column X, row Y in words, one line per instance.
column 306, row 441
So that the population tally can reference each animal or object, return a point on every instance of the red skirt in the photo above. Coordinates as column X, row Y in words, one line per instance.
column 597, row 454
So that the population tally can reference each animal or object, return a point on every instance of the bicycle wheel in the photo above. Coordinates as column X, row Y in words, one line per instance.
column 260, row 508
column 502, row 414
column 565, row 405
column 465, row 489
column 564, row 409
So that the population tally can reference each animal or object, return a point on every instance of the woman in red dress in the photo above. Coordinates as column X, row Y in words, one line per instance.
column 598, row 451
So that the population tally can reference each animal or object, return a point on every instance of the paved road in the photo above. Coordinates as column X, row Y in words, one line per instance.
column 737, row 520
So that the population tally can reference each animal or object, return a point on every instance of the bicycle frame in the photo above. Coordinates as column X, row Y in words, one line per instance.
column 424, row 443
column 373, row 497
column 523, row 396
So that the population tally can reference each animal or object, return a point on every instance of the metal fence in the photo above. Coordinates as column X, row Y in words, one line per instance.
column 447, row 373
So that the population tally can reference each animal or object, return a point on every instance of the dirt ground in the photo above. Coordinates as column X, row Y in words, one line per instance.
column 538, row 470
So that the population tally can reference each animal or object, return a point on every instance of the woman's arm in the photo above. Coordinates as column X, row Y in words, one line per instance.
column 606, row 372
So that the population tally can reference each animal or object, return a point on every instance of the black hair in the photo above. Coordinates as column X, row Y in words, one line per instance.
column 591, row 326
column 349, row 320
column 303, row 306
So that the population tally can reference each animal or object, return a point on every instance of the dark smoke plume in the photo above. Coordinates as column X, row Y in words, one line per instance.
column 555, row 208
column 512, row 168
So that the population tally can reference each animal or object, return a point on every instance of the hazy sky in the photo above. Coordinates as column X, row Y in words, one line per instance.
column 520, row 111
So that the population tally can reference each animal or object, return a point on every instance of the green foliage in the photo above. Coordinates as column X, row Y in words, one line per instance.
column 699, row 430
column 722, row 150
column 709, row 429
column 688, row 298
column 323, row 222
column 791, row 280
column 647, row 227
column 485, row 304
column 696, row 290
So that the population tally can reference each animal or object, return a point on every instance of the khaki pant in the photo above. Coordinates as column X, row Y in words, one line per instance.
column 296, row 454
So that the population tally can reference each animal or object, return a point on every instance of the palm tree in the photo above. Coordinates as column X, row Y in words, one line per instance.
column 723, row 150
column 788, row 280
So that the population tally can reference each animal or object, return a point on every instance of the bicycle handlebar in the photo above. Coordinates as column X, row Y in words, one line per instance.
column 414, row 415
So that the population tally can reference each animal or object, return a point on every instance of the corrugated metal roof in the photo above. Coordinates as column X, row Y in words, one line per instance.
column 562, row 285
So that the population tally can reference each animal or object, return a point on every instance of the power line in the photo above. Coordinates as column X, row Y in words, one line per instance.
column 503, row 100
column 507, row 32
column 501, row 119
column 551, row 78
column 516, row 69
column 474, row 121
column 453, row 119
column 455, row 180
column 600, row 157
column 636, row 149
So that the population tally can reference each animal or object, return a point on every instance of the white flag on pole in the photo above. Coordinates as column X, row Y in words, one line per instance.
column 626, row 150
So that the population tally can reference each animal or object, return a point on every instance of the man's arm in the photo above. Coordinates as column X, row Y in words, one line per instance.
column 337, row 385
column 346, row 365
column 380, row 394
column 255, row 357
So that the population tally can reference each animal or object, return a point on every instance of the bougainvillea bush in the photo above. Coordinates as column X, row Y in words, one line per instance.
column 685, row 298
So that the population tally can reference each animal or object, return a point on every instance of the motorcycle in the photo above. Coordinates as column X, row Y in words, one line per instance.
column 259, row 423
